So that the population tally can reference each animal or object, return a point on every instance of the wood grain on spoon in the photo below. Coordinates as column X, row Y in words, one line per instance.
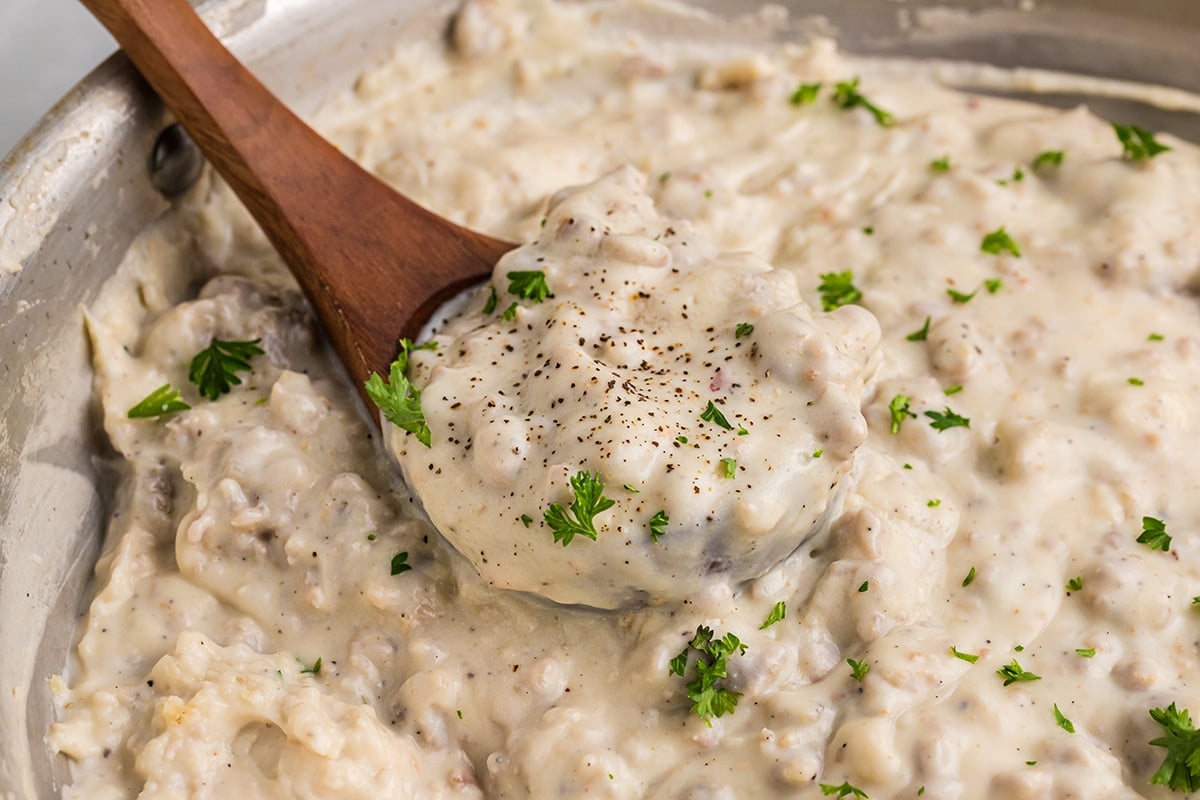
column 374, row 265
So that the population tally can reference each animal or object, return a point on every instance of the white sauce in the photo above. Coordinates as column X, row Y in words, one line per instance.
column 255, row 533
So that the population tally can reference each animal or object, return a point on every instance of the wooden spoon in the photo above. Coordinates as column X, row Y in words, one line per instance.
column 374, row 264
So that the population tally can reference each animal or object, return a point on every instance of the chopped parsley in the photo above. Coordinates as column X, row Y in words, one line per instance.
column 658, row 525
column 1180, row 770
column 998, row 241
column 970, row 658
column 1048, row 158
column 214, row 369
column 858, row 669
column 399, row 399
column 944, row 420
column 743, row 329
column 1154, row 534
column 1012, row 673
column 526, row 520
column 314, row 670
column 529, row 285
column 864, row 586
column 900, row 411
column 837, row 289
column 1062, row 721
column 1155, row 337
column 993, row 285
column 729, row 467
column 920, row 335
column 713, row 414
column 933, row 503
column 631, row 488
column 1137, row 144
column 510, row 313
column 578, row 519
column 1075, row 584
column 818, row 453
column 960, row 297
column 681, row 439
column 708, row 699
column 847, row 96
column 1017, row 176
column 778, row 612
column 1136, row 382
column 400, row 563
column 806, row 94
column 967, row 581
column 490, row 305
column 1085, row 652
column 163, row 400
column 940, row 164
column 843, row 790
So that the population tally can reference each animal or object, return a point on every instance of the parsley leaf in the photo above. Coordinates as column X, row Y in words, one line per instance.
column 708, row 699
column 900, row 411
column 399, row 399
column 400, row 563
column 490, row 305
column 844, row 790
column 998, row 241
column 528, row 284
column 729, row 467
column 967, row 581
column 805, row 94
column 743, row 329
column 1075, row 584
column 864, row 586
column 837, row 289
column 993, row 285
column 1137, row 144
column 858, row 669
column 1048, row 158
column 960, row 297
column 940, row 164
column 314, row 670
column 847, row 97
column 944, row 420
column 1180, row 770
column 1085, row 652
column 1154, row 534
column 1062, row 721
column 578, row 519
column 1012, row 673
column 163, row 400
column 214, row 369
column 713, row 414
column 970, row 658
column 510, row 313
column 921, row 335
column 778, row 612
column 658, row 525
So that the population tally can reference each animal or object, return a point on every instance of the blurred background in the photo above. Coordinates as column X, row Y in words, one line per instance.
column 46, row 47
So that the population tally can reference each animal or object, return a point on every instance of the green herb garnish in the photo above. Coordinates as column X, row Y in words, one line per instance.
column 1154, row 534
column 1012, row 673
column 214, row 369
column 900, row 411
column 944, row 420
column 578, row 519
column 778, row 612
column 713, row 414
column 708, row 699
column 163, row 400
column 1137, row 144
column 837, row 289
column 399, row 399
column 847, row 96
column 658, row 525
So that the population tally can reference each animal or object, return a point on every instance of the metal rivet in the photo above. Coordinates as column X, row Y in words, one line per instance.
column 175, row 162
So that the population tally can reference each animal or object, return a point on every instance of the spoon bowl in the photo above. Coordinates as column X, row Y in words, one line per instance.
column 374, row 265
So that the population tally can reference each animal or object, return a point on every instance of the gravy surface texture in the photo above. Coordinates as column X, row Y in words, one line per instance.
column 969, row 388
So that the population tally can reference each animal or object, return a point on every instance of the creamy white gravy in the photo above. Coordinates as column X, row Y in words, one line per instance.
column 255, row 534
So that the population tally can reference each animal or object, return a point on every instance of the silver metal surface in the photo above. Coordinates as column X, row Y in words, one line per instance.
column 78, row 189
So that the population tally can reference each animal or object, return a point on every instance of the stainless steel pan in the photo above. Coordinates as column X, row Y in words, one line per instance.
column 81, row 186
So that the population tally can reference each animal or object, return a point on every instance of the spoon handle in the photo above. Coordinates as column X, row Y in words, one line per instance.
column 373, row 264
